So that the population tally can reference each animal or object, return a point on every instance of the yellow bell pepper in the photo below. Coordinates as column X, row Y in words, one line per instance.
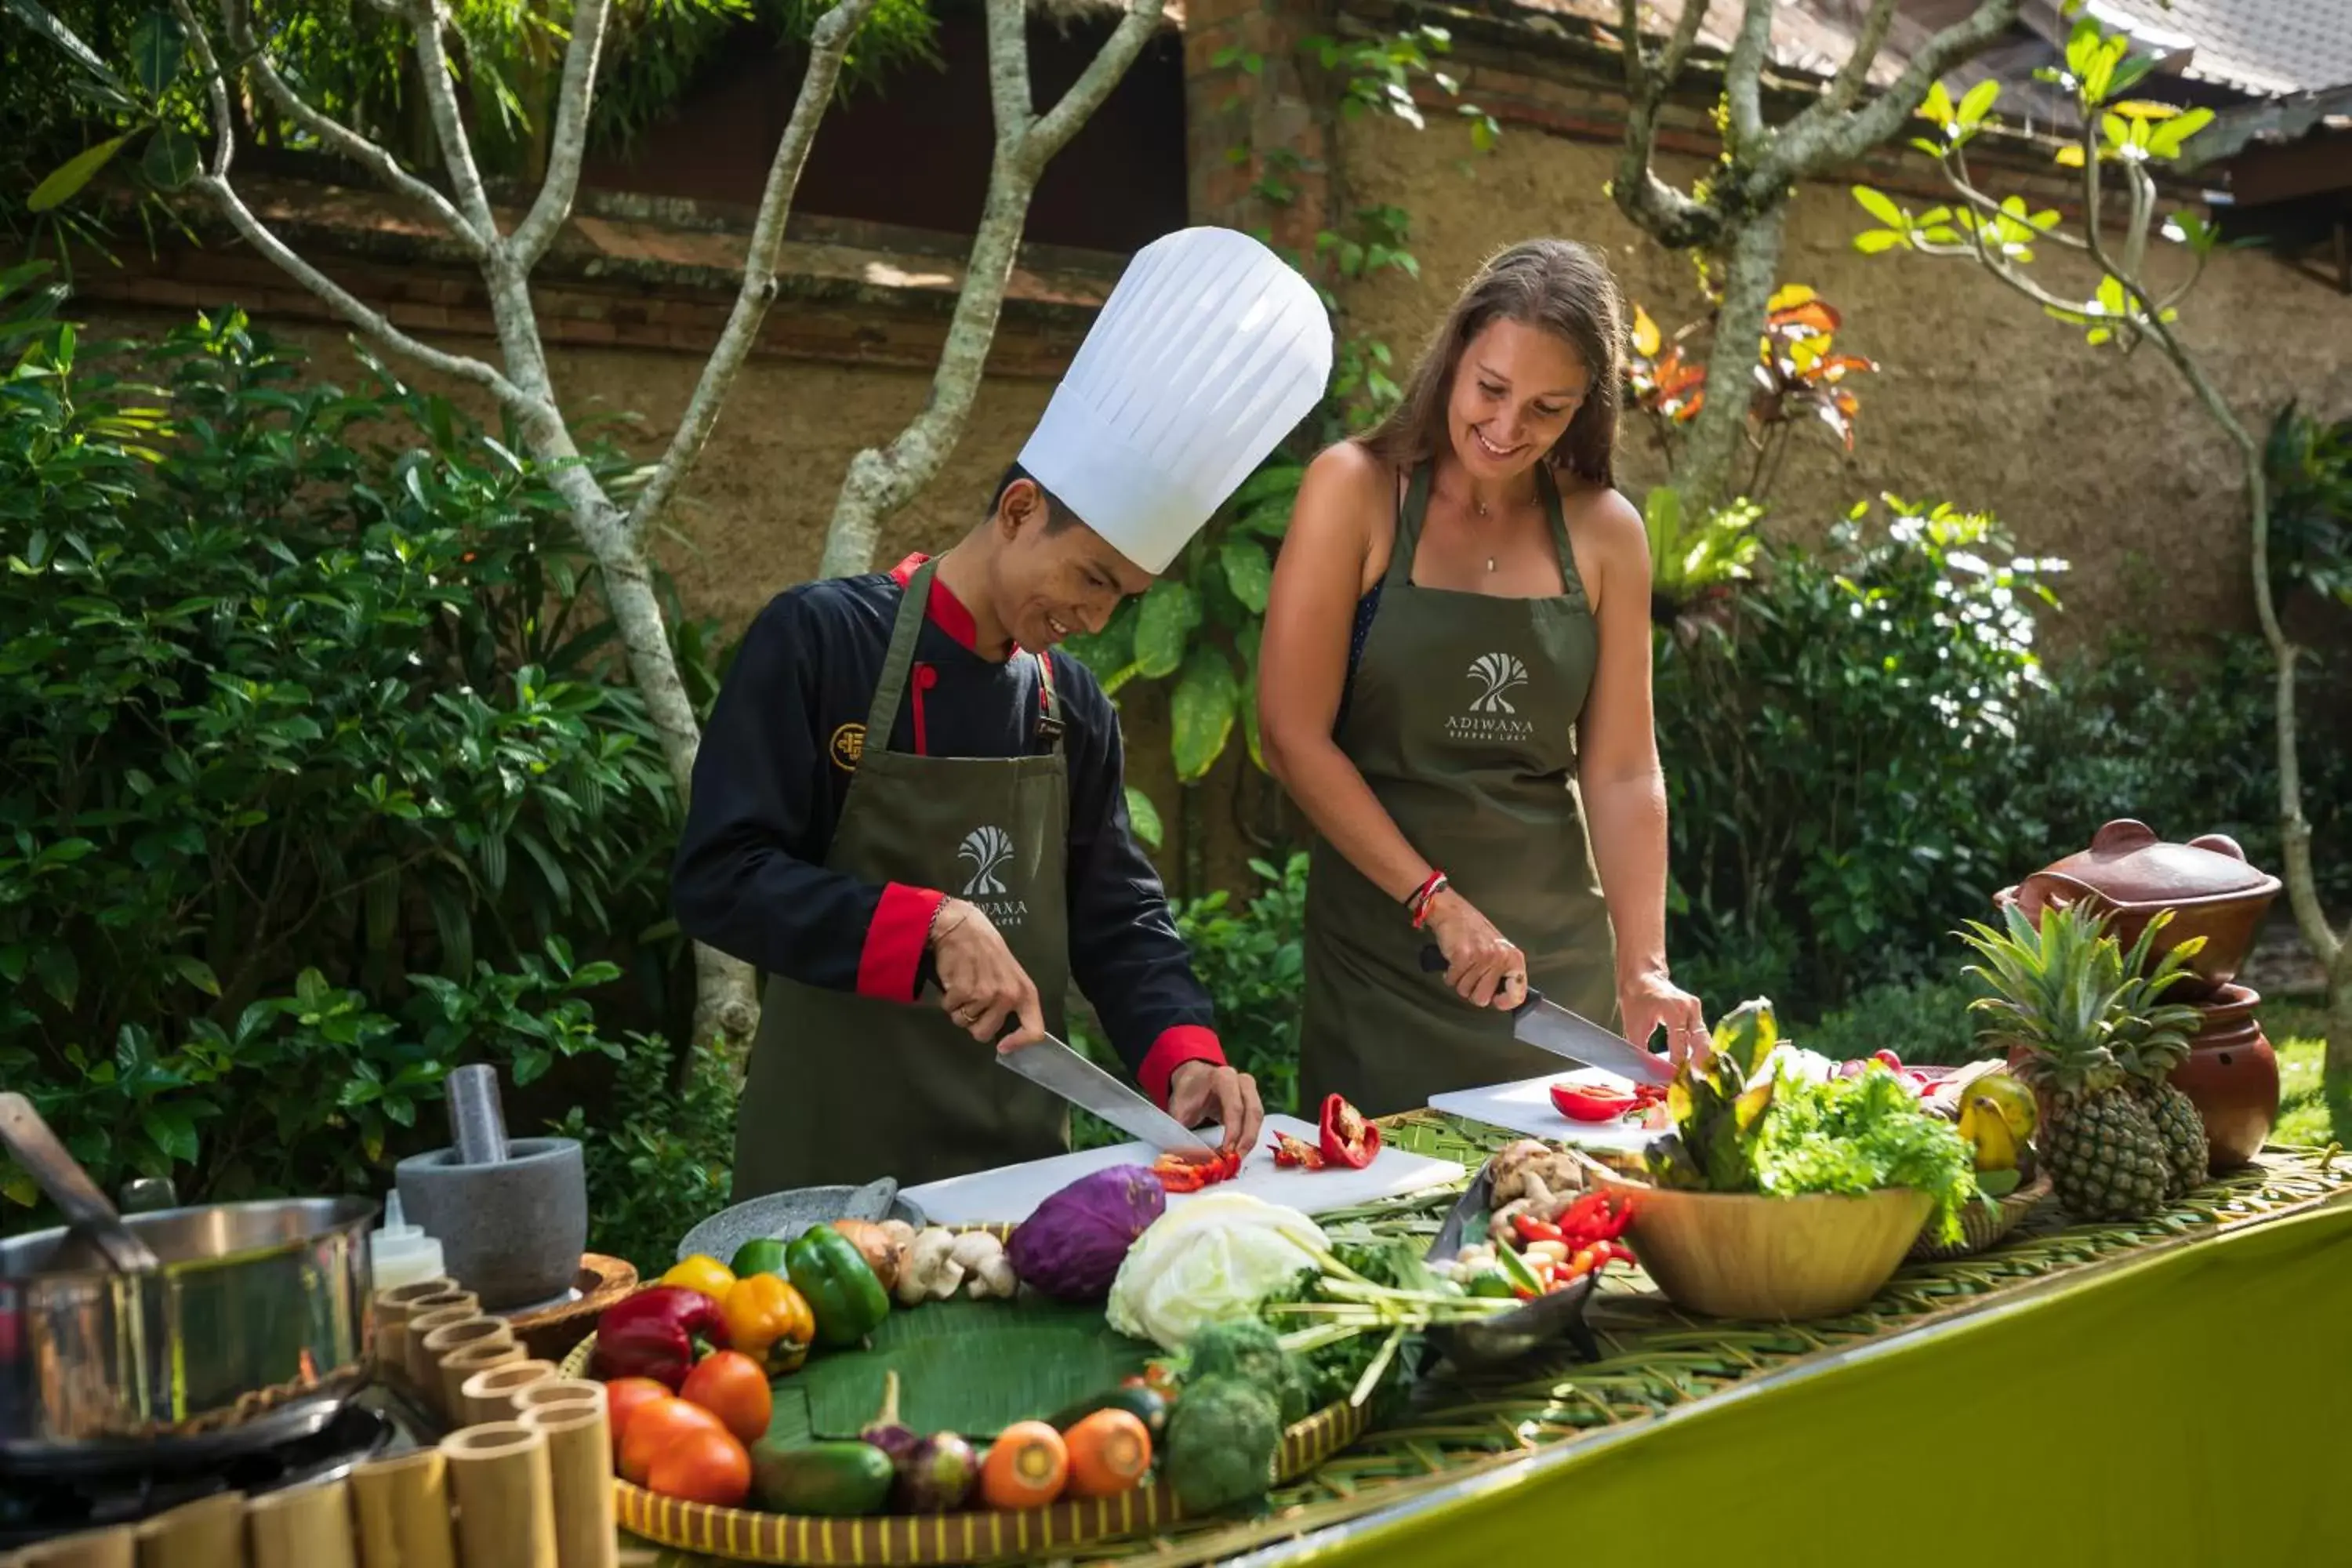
column 702, row 1273
column 769, row 1322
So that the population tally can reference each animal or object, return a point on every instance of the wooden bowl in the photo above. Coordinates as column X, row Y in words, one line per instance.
column 1736, row 1255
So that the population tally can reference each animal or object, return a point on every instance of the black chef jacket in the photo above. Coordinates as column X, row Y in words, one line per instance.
column 776, row 763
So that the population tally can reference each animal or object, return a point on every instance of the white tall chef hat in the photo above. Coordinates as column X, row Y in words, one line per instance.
column 1208, row 353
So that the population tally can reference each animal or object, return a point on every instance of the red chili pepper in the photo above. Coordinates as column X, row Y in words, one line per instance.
column 1533, row 1229
column 1893, row 1063
column 1290, row 1151
column 652, row 1334
column 1181, row 1176
column 1348, row 1139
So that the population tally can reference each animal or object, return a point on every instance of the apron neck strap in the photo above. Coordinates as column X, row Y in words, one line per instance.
column 1547, row 486
column 1408, row 529
column 882, row 716
column 1415, row 508
column 1049, row 702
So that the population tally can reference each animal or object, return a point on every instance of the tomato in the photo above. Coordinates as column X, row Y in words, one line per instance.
column 703, row 1467
column 659, row 1426
column 731, row 1387
column 623, row 1398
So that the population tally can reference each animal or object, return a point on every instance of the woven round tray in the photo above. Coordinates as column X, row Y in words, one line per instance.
column 905, row 1540
column 550, row 1332
column 1980, row 1227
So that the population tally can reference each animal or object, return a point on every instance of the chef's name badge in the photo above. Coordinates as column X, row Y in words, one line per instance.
column 849, row 746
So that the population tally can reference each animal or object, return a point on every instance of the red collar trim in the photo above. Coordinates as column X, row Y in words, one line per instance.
column 945, row 611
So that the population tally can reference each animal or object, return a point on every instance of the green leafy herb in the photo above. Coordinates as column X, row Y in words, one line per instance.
column 1856, row 1135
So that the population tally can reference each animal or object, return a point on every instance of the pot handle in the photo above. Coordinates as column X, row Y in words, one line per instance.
column 57, row 1173
column 2075, row 891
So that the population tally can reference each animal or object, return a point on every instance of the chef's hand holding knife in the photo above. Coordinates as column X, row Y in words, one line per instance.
column 981, row 982
column 1490, row 972
column 1487, row 970
column 981, row 985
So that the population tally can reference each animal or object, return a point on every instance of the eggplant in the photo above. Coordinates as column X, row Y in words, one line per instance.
column 885, row 1431
column 935, row 1476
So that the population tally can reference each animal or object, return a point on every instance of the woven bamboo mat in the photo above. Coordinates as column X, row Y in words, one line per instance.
column 1655, row 1359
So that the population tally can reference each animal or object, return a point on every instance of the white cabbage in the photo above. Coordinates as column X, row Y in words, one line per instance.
column 1214, row 1256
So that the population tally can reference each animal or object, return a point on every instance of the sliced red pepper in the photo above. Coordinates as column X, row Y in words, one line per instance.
column 1182, row 1175
column 1290, row 1151
column 1582, row 1103
column 1348, row 1139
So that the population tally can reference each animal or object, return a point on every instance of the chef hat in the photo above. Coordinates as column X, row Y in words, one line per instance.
column 1210, row 350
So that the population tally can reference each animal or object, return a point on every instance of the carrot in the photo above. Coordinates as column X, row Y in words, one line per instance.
column 1109, row 1451
column 1026, row 1468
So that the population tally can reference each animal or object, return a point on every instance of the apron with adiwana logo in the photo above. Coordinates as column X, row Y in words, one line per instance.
column 1461, row 717
column 847, row 1089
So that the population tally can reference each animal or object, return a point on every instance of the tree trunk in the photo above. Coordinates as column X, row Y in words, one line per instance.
column 1709, row 472
column 2338, row 1060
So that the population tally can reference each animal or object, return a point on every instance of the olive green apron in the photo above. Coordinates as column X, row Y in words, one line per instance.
column 843, row 1087
column 1462, row 719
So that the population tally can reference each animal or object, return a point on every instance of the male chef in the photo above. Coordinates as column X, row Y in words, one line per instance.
column 908, row 811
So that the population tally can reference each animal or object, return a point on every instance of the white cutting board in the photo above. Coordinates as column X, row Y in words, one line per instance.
column 1007, row 1196
column 1526, row 1107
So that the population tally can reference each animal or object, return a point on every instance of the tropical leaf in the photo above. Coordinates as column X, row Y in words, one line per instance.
column 1143, row 816
column 65, row 39
column 67, row 180
column 158, row 47
column 964, row 1366
column 1201, row 711
column 1171, row 610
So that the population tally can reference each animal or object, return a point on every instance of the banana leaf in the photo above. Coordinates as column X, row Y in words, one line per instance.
column 964, row 1366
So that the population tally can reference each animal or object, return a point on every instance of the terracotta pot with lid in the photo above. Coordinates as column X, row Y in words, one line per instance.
column 2132, row 876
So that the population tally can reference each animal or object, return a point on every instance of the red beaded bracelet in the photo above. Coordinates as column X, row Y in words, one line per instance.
column 1419, row 902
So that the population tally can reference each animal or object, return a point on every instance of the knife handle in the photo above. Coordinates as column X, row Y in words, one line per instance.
column 1432, row 958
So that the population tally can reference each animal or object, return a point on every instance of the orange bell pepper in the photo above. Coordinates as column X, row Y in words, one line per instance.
column 769, row 1322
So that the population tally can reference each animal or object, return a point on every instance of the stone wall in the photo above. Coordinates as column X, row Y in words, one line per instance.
column 1979, row 398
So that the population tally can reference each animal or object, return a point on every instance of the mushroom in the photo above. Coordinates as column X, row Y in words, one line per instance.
column 989, row 1272
column 931, row 1273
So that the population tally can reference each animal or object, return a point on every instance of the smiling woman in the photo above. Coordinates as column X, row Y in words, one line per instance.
column 1455, row 686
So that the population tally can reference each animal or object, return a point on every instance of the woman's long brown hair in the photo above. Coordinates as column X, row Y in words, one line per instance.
column 1559, row 285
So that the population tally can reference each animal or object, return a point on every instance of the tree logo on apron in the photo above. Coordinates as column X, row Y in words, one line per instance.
column 1498, row 675
column 986, row 849
column 1492, row 715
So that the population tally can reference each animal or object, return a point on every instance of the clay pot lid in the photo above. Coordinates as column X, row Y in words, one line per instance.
column 2128, row 864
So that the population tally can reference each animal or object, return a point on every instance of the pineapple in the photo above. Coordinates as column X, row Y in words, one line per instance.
column 2150, row 1038
column 2058, row 992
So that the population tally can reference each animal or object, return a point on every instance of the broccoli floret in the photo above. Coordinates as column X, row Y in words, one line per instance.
column 1221, row 1438
column 1248, row 1348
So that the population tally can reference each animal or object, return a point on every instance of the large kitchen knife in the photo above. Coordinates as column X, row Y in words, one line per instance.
column 1549, row 1026
column 1053, row 1066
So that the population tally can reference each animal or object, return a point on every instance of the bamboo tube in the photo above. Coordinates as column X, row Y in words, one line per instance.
column 556, row 1390
column 403, row 1509
column 302, row 1527
column 464, row 1363
column 206, row 1533
column 488, row 1395
column 394, row 1307
column 579, row 1457
column 114, row 1547
column 506, row 1496
column 417, row 1365
column 443, row 1338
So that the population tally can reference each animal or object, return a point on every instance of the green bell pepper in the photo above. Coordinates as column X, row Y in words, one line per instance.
column 843, row 1291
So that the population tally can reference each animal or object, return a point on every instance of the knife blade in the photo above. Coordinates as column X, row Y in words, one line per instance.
column 1546, row 1025
column 1053, row 1065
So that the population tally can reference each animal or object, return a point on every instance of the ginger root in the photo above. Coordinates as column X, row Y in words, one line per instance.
column 988, row 1271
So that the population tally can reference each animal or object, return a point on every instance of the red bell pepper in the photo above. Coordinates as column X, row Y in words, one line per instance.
column 1289, row 1150
column 652, row 1333
column 1348, row 1139
column 1583, row 1102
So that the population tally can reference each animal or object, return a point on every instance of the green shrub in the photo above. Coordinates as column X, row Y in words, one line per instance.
column 313, row 776
column 1928, row 1024
column 1836, row 759
column 659, row 1158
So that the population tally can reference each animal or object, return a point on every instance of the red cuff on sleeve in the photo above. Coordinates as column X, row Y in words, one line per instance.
column 1175, row 1047
column 894, row 942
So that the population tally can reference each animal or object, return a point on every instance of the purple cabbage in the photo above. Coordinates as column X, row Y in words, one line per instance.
column 1071, row 1247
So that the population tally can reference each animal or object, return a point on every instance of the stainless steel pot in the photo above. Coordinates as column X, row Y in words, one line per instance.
column 172, row 1336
